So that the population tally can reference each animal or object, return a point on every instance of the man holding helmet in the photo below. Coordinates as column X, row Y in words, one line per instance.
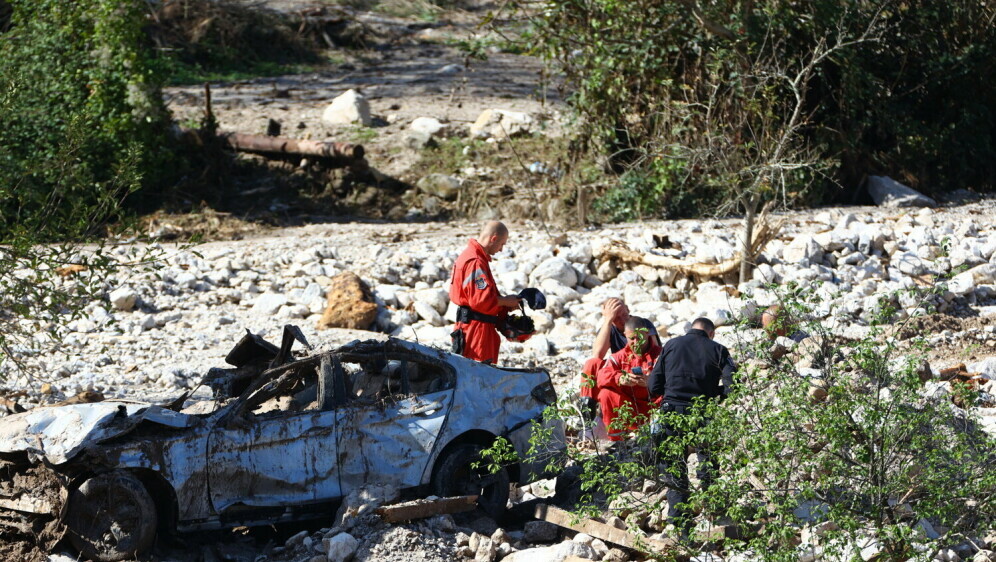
column 482, row 311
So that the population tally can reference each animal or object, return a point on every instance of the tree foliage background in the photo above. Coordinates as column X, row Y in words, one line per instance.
column 83, row 117
column 687, row 96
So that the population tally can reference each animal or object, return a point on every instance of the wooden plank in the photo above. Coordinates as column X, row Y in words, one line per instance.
column 607, row 533
column 420, row 509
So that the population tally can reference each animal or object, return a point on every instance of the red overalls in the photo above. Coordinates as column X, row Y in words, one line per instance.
column 472, row 285
column 612, row 395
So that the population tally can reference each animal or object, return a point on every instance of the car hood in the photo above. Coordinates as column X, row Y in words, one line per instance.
column 59, row 433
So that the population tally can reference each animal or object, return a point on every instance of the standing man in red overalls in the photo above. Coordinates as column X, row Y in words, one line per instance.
column 472, row 288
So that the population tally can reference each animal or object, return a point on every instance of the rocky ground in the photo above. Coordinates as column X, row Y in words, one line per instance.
column 158, row 332
column 155, row 333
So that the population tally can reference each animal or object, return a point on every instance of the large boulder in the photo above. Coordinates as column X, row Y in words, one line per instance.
column 556, row 268
column 349, row 303
column 887, row 192
column 350, row 107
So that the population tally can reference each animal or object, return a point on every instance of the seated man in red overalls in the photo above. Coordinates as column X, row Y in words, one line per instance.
column 622, row 380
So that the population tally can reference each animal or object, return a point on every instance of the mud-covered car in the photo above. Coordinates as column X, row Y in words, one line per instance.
column 284, row 439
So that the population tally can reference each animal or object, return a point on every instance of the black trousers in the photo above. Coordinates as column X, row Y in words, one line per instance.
column 674, row 467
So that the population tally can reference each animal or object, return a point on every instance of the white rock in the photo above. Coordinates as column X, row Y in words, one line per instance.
column 438, row 299
column 426, row 125
column 539, row 345
column 986, row 367
column 555, row 553
column 123, row 298
column 679, row 329
column 441, row 185
column 428, row 313
column 962, row 284
column 350, row 107
column 555, row 268
column 909, row 263
column 500, row 124
column 803, row 250
column 268, row 303
column 341, row 547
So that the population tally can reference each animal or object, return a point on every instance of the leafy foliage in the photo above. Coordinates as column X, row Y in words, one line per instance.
column 843, row 445
column 793, row 98
column 84, row 123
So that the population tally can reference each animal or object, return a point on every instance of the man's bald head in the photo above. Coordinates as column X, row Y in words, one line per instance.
column 493, row 236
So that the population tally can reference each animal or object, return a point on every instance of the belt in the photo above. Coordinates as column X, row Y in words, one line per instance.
column 465, row 315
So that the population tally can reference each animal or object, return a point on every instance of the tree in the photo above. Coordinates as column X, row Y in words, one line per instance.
column 83, row 128
column 698, row 104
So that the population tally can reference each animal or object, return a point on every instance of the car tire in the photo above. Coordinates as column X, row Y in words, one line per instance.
column 111, row 517
column 456, row 476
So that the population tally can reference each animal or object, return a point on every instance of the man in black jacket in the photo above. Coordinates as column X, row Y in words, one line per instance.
column 689, row 367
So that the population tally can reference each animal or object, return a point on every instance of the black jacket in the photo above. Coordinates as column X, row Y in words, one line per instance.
column 689, row 366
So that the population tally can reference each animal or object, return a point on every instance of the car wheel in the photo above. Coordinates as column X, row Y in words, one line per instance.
column 111, row 517
column 456, row 476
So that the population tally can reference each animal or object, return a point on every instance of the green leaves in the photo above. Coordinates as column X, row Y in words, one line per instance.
column 82, row 114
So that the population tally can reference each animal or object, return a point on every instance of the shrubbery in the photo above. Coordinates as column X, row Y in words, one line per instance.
column 83, row 118
column 885, row 87
column 827, row 449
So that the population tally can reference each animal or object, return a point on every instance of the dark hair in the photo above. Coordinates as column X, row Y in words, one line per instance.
column 703, row 324
column 635, row 322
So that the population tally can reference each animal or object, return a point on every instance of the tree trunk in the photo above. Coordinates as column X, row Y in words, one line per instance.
column 746, row 250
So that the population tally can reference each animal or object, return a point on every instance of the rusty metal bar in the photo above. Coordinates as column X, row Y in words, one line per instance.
column 337, row 152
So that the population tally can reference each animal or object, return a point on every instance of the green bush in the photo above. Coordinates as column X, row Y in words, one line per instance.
column 886, row 87
column 83, row 119
column 827, row 450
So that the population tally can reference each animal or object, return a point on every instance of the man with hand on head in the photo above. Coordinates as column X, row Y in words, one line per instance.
column 610, row 339
column 690, row 367
column 472, row 288
column 622, row 381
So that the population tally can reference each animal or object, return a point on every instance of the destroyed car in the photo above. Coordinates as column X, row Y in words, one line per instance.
column 285, row 440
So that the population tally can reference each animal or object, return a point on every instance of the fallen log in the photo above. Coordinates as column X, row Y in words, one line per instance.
column 765, row 231
column 603, row 531
column 333, row 154
column 420, row 509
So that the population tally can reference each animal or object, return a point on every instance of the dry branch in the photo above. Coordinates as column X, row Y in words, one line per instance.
column 603, row 531
column 765, row 231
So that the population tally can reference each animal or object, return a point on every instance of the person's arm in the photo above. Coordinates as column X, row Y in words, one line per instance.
column 728, row 368
column 610, row 310
column 657, row 378
column 608, row 375
column 602, row 339
column 509, row 301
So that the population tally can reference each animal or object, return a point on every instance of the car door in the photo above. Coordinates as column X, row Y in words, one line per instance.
column 388, row 427
column 279, row 447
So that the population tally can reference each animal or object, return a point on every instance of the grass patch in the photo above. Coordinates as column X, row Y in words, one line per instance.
column 453, row 154
column 360, row 134
column 183, row 74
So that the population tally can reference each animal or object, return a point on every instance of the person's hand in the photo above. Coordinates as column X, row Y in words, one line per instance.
column 632, row 379
column 509, row 301
column 614, row 309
